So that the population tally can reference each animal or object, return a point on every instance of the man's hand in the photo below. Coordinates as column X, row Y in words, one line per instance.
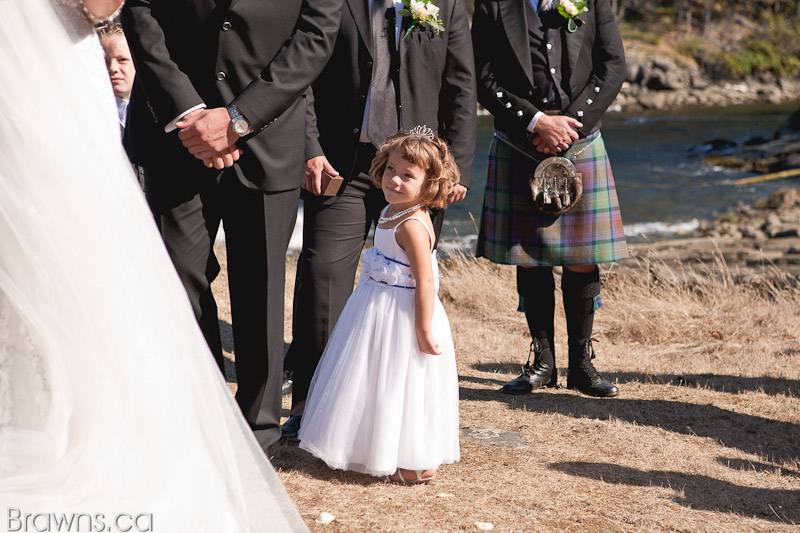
column 541, row 145
column 556, row 133
column 224, row 159
column 189, row 118
column 314, row 168
column 457, row 194
column 207, row 135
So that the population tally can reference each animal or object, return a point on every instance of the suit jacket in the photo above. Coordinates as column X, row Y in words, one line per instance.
column 436, row 82
column 260, row 55
column 595, row 64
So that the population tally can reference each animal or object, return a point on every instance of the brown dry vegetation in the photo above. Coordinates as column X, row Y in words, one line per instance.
column 705, row 435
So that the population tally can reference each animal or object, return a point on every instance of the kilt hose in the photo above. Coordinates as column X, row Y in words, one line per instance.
column 514, row 232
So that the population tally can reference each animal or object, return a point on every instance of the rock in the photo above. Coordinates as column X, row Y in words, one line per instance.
column 495, row 437
column 766, row 77
column 325, row 518
column 755, row 141
column 761, row 203
column 715, row 145
column 634, row 73
column 652, row 100
column 697, row 80
column 783, row 199
column 770, row 93
column 677, row 79
column 787, row 231
column 787, row 163
column 662, row 63
column 788, row 85
column 657, row 81
column 753, row 232
column 772, row 225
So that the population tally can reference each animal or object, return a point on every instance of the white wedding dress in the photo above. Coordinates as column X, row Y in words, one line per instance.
column 110, row 401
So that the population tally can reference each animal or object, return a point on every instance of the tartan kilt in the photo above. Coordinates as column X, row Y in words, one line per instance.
column 514, row 232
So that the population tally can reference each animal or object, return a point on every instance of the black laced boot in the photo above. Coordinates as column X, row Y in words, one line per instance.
column 541, row 374
column 537, row 299
column 581, row 293
column 582, row 374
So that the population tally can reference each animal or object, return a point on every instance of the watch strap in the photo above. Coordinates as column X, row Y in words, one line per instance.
column 237, row 117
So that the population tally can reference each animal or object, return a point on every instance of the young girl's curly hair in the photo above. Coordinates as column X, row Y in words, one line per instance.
column 432, row 156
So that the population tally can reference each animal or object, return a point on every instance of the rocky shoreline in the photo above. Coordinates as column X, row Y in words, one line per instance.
column 661, row 81
column 752, row 243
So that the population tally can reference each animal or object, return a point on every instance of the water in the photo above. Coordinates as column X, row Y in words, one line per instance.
column 663, row 187
column 662, row 184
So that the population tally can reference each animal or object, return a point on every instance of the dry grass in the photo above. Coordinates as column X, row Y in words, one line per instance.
column 705, row 435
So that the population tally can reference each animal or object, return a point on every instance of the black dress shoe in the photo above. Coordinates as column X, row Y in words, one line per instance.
column 291, row 428
column 542, row 373
column 583, row 376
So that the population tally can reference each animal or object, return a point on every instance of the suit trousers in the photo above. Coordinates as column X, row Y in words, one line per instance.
column 258, row 226
column 334, row 232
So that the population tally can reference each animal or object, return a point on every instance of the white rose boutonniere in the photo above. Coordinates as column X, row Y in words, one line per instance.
column 570, row 11
column 423, row 13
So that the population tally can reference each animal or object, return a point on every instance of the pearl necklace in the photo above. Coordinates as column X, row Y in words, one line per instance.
column 399, row 214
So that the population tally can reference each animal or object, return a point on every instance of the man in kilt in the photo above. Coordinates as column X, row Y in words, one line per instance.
column 548, row 71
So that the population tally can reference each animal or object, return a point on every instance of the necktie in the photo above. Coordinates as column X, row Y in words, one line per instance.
column 544, row 6
column 382, row 120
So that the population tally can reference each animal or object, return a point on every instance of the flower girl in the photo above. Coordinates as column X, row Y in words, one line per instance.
column 384, row 397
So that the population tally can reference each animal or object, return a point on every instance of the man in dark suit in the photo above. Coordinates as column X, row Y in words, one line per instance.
column 379, row 80
column 548, row 73
column 217, row 119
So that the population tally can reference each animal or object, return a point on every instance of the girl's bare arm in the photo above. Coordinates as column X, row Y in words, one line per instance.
column 416, row 242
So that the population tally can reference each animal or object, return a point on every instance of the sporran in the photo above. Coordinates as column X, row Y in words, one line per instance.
column 556, row 186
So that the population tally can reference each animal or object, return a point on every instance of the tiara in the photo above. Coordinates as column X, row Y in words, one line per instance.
column 424, row 131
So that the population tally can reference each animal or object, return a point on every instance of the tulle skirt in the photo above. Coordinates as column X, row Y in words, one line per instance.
column 110, row 401
column 376, row 402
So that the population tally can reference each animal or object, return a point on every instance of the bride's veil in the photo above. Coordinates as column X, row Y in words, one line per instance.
column 110, row 401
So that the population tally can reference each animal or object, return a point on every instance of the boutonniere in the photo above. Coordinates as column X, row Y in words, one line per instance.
column 570, row 11
column 423, row 13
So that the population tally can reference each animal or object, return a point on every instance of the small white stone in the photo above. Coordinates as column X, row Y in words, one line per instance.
column 325, row 518
column 485, row 526
column 445, row 495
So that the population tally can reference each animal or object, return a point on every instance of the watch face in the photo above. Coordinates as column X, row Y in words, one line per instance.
column 240, row 127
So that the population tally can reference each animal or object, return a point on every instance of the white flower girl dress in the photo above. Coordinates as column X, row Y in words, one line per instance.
column 376, row 402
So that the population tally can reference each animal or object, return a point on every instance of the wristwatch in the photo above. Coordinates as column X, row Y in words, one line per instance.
column 239, row 124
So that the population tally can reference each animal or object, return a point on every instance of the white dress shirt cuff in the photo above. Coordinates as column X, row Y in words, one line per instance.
column 533, row 121
column 171, row 126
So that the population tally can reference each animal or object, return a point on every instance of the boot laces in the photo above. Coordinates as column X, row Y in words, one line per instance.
column 536, row 349
column 586, row 362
